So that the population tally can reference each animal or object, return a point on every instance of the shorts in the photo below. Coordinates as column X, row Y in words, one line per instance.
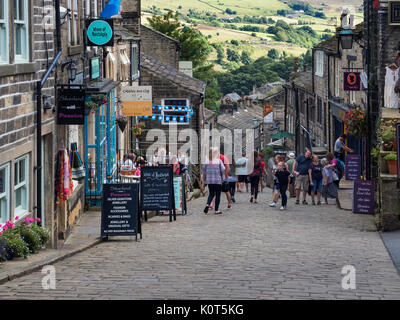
column 276, row 186
column 242, row 179
column 302, row 182
column 317, row 187
column 225, row 187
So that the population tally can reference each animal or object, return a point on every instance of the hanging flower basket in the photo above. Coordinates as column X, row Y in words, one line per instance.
column 137, row 129
column 122, row 121
column 356, row 123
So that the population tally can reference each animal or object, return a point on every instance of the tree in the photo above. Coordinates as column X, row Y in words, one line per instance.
column 246, row 60
column 220, row 53
column 167, row 23
column 232, row 55
column 234, row 42
column 273, row 54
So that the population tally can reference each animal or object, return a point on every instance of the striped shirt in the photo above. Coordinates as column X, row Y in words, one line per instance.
column 213, row 172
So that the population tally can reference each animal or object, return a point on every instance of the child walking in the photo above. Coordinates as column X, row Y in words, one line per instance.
column 282, row 174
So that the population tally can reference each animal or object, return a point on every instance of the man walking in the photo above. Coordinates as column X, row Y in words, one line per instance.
column 241, row 172
column 300, row 169
column 340, row 148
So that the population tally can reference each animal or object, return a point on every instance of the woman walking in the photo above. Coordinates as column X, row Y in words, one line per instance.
column 213, row 173
column 315, row 174
column 329, row 188
column 255, row 176
column 232, row 180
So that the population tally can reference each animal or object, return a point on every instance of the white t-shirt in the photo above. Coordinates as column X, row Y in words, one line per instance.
column 129, row 163
column 241, row 167
column 391, row 97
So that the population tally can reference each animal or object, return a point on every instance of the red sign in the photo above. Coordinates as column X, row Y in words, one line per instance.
column 352, row 81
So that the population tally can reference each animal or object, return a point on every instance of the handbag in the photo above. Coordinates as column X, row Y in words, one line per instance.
column 335, row 176
column 77, row 168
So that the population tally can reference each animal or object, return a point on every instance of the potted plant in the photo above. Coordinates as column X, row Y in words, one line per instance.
column 122, row 121
column 391, row 160
column 137, row 129
column 388, row 135
column 356, row 123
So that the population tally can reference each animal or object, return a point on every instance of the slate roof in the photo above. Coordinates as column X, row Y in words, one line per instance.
column 303, row 80
column 208, row 114
column 242, row 120
column 234, row 96
column 125, row 34
column 171, row 74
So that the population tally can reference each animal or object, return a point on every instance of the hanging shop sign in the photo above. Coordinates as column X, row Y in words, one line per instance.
column 119, row 210
column 100, row 32
column 71, row 106
column 352, row 81
column 353, row 167
column 269, row 114
column 136, row 101
column 394, row 12
column 95, row 68
column 157, row 190
column 364, row 197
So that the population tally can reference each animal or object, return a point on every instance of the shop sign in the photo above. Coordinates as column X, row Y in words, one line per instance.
column 353, row 167
column 100, row 32
column 157, row 190
column 364, row 197
column 398, row 149
column 394, row 13
column 352, row 81
column 71, row 106
column 180, row 194
column 95, row 68
column 136, row 101
column 119, row 209
column 268, row 114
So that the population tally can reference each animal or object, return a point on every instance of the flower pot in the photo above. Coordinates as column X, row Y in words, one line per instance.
column 392, row 165
column 122, row 125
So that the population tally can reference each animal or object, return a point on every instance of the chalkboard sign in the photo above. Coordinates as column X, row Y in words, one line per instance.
column 364, row 197
column 71, row 106
column 119, row 210
column 353, row 167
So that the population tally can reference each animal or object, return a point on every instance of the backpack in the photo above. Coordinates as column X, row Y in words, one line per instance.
column 340, row 165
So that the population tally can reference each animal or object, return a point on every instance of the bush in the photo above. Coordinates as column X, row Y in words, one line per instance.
column 43, row 233
column 31, row 237
column 16, row 246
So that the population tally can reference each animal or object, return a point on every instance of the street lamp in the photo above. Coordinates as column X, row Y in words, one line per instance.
column 346, row 39
column 72, row 69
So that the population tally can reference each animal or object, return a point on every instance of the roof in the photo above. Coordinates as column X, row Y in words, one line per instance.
column 241, row 119
column 234, row 96
column 171, row 74
column 209, row 114
column 142, row 26
column 303, row 80
column 125, row 34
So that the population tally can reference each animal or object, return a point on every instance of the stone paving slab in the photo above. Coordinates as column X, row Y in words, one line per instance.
column 250, row 252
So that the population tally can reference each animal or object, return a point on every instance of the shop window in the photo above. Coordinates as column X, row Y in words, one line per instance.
column 73, row 23
column 21, row 185
column 3, row 31
column 21, row 34
column 319, row 63
column 4, row 193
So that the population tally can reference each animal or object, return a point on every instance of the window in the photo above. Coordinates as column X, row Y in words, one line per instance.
column 319, row 117
column 73, row 23
column 337, row 72
column 135, row 62
column 4, row 193
column 21, row 185
column 3, row 31
column 21, row 38
column 352, row 97
column 177, row 112
column 319, row 63
column 111, row 66
column 125, row 65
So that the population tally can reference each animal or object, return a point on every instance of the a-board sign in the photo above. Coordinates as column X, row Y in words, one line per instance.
column 353, row 167
column 100, row 32
column 119, row 209
column 398, row 149
column 156, row 188
column 364, row 197
column 71, row 106
column 179, row 194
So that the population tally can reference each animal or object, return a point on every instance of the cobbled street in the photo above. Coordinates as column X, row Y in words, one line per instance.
column 249, row 252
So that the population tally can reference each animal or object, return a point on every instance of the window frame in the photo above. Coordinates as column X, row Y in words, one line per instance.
column 20, row 210
column 163, row 113
column 74, row 38
column 135, row 62
column 337, row 77
column 6, row 193
column 5, row 22
column 319, row 63
column 25, row 43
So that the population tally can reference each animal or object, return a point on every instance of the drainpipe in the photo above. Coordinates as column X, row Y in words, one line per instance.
column 39, row 85
column 286, row 102
column 297, row 117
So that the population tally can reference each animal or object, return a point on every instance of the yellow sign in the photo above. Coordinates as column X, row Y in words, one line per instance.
column 136, row 101
column 268, row 110
column 137, row 108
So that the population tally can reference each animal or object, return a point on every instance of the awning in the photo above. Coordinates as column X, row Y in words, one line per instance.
column 278, row 143
column 111, row 9
column 282, row 134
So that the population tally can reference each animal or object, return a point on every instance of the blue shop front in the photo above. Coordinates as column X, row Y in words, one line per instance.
column 100, row 139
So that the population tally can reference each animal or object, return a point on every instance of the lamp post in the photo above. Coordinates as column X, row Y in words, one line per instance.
column 346, row 39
